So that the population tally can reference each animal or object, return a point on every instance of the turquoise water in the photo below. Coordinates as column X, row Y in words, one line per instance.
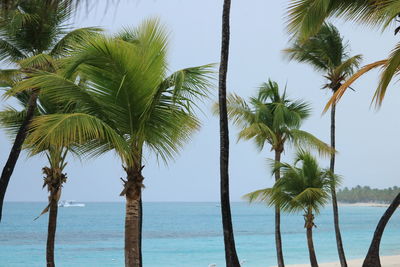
column 182, row 234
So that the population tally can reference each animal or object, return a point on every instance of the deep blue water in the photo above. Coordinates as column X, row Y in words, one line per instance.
column 183, row 234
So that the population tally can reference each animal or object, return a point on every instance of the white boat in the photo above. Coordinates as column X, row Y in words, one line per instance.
column 70, row 203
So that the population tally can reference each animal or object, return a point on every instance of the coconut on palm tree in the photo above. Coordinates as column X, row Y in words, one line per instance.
column 274, row 119
column 128, row 104
column 303, row 187
column 327, row 53
column 31, row 38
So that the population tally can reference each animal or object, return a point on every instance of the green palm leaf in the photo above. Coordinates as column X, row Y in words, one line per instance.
column 303, row 186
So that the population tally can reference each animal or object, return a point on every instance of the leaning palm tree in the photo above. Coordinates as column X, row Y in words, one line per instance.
column 303, row 188
column 272, row 118
column 328, row 54
column 306, row 17
column 31, row 37
column 11, row 120
column 128, row 105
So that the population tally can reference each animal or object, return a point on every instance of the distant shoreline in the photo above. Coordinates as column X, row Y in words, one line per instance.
column 363, row 204
column 387, row 261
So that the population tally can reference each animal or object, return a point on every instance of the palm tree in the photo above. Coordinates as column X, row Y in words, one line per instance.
column 306, row 17
column 271, row 118
column 231, row 257
column 11, row 120
column 128, row 105
column 31, row 36
column 328, row 54
column 301, row 188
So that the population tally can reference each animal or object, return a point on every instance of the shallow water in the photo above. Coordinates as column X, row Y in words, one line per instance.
column 183, row 234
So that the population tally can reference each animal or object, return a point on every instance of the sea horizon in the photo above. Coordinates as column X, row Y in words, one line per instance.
column 184, row 234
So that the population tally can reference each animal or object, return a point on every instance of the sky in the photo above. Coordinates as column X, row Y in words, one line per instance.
column 367, row 139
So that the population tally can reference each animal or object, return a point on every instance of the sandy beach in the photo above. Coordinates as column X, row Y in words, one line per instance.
column 386, row 261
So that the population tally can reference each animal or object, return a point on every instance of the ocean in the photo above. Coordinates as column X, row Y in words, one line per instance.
column 183, row 235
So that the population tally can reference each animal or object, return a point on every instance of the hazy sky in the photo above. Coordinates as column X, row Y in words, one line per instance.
column 367, row 139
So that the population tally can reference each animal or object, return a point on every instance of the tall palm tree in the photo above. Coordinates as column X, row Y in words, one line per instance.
column 31, row 36
column 272, row 118
column 301, row 188
column 128, row 105
column 11, row 120
column 327, row 53
column 306, row 17
column 231, row 257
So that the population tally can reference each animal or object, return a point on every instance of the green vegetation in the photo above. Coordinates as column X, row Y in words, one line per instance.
column 328, row 54
column 88, row 93
column 367, row 194
column 33, row 39
column 126, row 103
column 304, row 187
column 272, row 119
column 305, row 19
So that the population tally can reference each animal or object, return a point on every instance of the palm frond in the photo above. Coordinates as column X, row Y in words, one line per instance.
column 326, row 52
column 189, row 85
column 11, row 120
column 40, row 62
column 310, row 197
column 9, row 52
column 260, row 132
column 72, row 38
column 298, row 53
column 305, row 17
column 339, row 93
column 307, row 141
column 64, row 130
column 126, row 101
column 302, row 186
column 238, row 111
column 347, row 68
column 262, row 195
column 9, row 77
column 390, row 69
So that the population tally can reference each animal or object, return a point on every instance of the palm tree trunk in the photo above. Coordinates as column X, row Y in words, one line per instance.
column 339, row 242
column 51, row 231
column 310, row 243
column 278, row 238
column 372, row 258
column 309, row 226
column 229, row 241
column 133, row 194
column 16, row 149
column 140, row 230
column 132, row 232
